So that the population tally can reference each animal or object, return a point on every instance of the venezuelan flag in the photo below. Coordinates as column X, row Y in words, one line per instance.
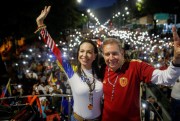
column 6, row 88
column 63, row 63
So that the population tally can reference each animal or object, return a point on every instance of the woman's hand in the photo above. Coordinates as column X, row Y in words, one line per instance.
column 42, row 16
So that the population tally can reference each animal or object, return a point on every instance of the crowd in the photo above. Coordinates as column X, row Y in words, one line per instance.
column 37, row 73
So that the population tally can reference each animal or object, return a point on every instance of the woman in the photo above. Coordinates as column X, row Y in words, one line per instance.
column 85, row 84
column 86, row 88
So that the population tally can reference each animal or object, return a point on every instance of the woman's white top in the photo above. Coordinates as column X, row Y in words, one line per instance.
column 80, row 92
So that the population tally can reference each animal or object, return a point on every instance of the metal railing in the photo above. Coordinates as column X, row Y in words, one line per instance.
column 69, row 97
column 162, row 99
column 149, row 106
column 69, row 102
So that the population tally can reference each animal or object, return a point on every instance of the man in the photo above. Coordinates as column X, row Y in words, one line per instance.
column 121, row 82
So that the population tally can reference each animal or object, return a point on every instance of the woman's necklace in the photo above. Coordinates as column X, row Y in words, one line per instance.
column 91, row 87
column 113, row 85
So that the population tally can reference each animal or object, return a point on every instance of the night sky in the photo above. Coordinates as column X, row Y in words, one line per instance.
column 16, row 15
column 93, row 4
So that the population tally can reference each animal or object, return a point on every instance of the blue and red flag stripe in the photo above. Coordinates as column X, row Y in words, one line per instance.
column 52, row 45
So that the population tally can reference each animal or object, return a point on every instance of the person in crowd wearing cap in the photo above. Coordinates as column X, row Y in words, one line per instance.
column 86, row 86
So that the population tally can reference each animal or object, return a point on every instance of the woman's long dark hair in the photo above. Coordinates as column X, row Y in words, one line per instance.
column 95, row 67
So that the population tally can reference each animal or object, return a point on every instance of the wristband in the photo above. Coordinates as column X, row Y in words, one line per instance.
column 40, row 27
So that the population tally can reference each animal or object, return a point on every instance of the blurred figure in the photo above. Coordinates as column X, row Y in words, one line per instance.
column 56, row 101
column 175, row 101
